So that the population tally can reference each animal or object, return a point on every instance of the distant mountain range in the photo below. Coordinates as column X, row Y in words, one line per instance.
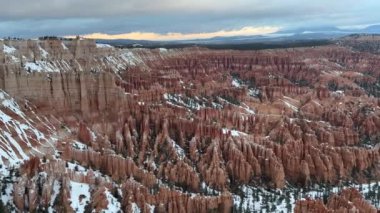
column 300, row 36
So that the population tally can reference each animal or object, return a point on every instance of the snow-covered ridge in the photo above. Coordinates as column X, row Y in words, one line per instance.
column 130, row 58
column 98, row 45
column 19, row 137
column 41, row 66
column 9, row 50
column 68, row 56
column 44, row 53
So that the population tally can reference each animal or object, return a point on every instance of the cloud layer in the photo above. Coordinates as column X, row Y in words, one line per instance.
column 27, row 18
column 245, row 31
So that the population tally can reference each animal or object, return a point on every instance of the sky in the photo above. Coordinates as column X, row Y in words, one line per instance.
column 178, row 19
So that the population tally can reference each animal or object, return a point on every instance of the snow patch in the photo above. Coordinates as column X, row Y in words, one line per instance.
column 163, row 50
column 9, row 49
column 234, row 133
column 236, row 83
column 78, row 145
column 76, row 167
column 79, row 195
column 113, row 204
column 254, row 92
column 180, row 152
column 98, row 45
column 135, row 208
column 41, row 66
column 291, row 106
column 192, row 103
column 338, row 93
column 130, row 58
column 151, row 208
column 56, row 188
column 247, row 109
column 44, row 53
column 64, row 46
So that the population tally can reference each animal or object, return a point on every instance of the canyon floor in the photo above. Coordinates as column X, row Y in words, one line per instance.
column 88, row 127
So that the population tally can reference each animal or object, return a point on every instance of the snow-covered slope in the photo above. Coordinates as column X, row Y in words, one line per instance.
column 65, row 58
column 20, row 134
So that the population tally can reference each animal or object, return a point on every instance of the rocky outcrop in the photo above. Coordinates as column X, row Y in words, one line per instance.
column 167, row 200
column 66, row 92
column 349, row 200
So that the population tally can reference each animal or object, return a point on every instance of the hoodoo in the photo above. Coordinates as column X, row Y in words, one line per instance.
column 87, row 126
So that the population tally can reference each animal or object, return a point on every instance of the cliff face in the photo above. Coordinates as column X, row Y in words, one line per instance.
column 66, row 92
column 183, row 130
column 63, row 76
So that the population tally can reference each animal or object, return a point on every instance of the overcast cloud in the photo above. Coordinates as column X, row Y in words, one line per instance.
column 31, row 18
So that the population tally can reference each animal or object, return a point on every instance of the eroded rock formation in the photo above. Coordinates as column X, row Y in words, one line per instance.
column 349, row 200
column 181, row 130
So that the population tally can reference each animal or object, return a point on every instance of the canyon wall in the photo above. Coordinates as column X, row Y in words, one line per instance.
column 184, row 130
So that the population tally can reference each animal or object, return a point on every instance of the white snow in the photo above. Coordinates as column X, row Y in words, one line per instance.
column 98, row 45
column 151, row 208
column 253, row 92
column 163, row 50
column 7, row 196
column 234, row 133
column 17, row 133
column 14, row 59
column 180, row 152
column 93, row 135
column 10, row 145
column 338, row 93
column 130, row 58
column 64, row 46
column 56, row 188
column 113, row 204
column 191, row 103
column 33, row 66
column 76, row 167
column 135, row 208
column 291, row 106
column 41, row 66
column 4, row 117
column 9, row 49
column 44, row 53
column 208, row 190
column 247, row 109
column 117, row 63
column 79, row 195
column 236, row 83
column 78, row 145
